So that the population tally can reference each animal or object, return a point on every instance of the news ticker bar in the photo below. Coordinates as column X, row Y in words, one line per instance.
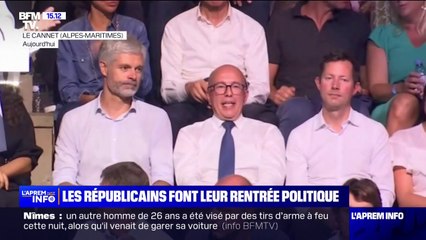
column 296, row 223
column 182, row 196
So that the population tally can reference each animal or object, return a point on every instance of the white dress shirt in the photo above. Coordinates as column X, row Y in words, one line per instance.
column 259, row 152
column 89, row 140
column 316, row 155
column 192, row 48
column 408, row 149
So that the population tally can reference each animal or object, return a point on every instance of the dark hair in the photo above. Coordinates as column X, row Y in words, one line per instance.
column 14, row 111
column 364, row 190
column 125, row 174
column 337, row 56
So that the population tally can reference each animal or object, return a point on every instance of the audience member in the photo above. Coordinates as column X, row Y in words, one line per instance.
column 298, row 38
column 363, row 193
column 229, row 143
column 45, row 70
column 392, row 53
column 198, row 41
column 18, row 150
column 157, row 15
column 124, row 174
column 338, row 136
column 408, row 156
column 233, row 233
column 115, row 125
column 80, row 78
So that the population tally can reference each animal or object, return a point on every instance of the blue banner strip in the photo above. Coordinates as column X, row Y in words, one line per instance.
column 182, row 196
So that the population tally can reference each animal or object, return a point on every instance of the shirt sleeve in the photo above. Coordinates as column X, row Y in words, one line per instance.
column 381, row 169
column 68, row 81
column 256, row 64
column 172, row 83
column 66, row 156
column 184, row 158
column 272, row 169
column 379, row 36
column 146, row 84
column 27, row 146
column 296, row 162
column 161, row 151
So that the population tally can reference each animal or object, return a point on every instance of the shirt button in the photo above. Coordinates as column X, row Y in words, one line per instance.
column 82, row 60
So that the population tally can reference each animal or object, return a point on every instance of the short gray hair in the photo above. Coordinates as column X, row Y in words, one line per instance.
column 110, row 48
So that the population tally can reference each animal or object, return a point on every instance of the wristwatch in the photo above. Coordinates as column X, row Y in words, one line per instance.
column 394, row 92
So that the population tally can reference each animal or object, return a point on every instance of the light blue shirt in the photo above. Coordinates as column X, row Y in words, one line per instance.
column 89, row 140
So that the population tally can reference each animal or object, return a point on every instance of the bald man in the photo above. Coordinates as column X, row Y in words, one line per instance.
column 233, row 180
column 228, row 143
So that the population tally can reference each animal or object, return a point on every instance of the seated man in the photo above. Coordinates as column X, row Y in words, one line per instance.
column 115, row 125
column 339, row 143
column 80, row 79
column 298, row 38
column 229, row 143
column 122, row 174
column 198, row 41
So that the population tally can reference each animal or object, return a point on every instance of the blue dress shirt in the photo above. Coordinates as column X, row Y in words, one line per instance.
column 78, row 67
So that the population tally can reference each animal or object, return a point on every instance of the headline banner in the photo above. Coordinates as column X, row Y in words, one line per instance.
column 183, row 196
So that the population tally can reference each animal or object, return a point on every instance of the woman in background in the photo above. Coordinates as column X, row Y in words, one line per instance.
column 18, row 151
column 391, row 57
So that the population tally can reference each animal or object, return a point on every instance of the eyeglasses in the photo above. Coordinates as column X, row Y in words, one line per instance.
column 220, row 88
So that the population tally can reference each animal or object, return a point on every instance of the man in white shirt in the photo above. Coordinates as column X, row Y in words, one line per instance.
column 207, row 151
column 115, row 127
column 339, row 143
column 198, row 41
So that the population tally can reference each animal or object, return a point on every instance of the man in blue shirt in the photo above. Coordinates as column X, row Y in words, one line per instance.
column 80, row 79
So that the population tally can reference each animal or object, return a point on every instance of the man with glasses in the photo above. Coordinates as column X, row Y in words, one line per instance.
column 228, row 143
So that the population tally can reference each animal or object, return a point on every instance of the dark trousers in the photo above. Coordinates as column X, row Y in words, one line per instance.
column 185, row 113
column 9, row 198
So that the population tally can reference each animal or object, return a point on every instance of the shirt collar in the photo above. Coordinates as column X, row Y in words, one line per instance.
column 114, row 23
column 200, row 17
column 218, row 122
column 98, row 108
column 296, row 11
column 353, row 119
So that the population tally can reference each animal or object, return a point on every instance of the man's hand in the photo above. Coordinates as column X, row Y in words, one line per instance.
column 282, row 94
column 4, row 181
column 197, row 90
column 45, row 24
column 240, row 3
